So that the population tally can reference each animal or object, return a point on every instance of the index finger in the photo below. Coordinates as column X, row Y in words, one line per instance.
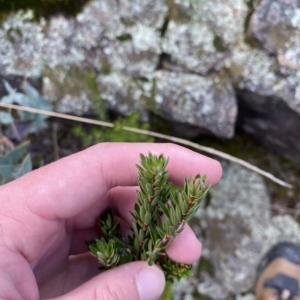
column 71, row 185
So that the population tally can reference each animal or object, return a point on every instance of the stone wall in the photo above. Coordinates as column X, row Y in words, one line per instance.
column 205, row 64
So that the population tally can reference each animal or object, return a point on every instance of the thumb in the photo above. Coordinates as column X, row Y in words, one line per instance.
column 134, row 281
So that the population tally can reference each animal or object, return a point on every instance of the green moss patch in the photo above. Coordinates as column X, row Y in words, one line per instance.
column 43, row 8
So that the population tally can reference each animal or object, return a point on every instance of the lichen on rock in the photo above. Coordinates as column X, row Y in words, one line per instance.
column 126, row 94
column 238, row 230
column 276, row 24
column 205, row 102
column 191, row 46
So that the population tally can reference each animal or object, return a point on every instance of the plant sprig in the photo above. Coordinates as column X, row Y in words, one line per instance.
column 159, row 215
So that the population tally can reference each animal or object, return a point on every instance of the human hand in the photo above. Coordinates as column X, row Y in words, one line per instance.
column 47, row 215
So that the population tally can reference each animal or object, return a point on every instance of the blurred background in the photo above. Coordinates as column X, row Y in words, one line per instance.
column 221, row 74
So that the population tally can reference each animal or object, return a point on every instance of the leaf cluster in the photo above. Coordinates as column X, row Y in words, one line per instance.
column 15, row 161
column 159, row 215
column 15, row 164
column 30, row 98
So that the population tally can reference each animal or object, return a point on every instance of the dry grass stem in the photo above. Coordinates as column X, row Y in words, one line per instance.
column 157, row 135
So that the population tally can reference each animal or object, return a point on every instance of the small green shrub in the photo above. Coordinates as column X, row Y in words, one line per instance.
column 159, row 215
column 15, row 163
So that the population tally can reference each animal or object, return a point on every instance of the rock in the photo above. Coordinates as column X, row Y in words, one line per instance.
column 125, row 94
column 269, row 101
column 276, row 24
column 216, row 15
column 191, row 46
column 198, row 41
column 100, row 35
column 121, row 41
column 101, row 38
column 205, row 102
column 271, row 121
column 226, row 19
column 237, row 228
column 177, row 58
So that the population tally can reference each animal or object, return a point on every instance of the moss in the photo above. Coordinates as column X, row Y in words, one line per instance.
column 197, row 296
column 42, row 8
column 218, row 44
column 73, row 82
column 116, row 134
column 11, row 34
column 249, row 39
column 95, row 96
column 106, row 67
column 124, row 37
column 165, row 26
column 205, row 265
column 158, row 124
column 177, row 13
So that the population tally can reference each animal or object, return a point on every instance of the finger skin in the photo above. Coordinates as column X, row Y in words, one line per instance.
column 75, row 183
column 186, row 248
column 118, row 284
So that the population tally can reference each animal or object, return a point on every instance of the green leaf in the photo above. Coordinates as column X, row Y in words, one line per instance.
column 178, row 214
column 151, row 254
column 153, row 232
column 142, row 214
column 16, row 155
column 7, row 173
column 147, row 218
column 164, row 209
column 141, row 235
column 135, row 229
column 24, row 167
column 161, row 232
column 150, row 245
column 5, row 118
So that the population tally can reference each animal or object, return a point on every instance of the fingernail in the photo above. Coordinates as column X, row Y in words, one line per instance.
column 150, row 283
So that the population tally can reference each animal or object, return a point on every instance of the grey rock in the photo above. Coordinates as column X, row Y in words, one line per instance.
column 205, row 102
column 238, row 228
column 197, row 42
column 100, row 37
column 254, row 70
column 271, row 121
column 191, row 46
column 276, row 24
column 269, row 100
column 125, row 94
column 122, row 42
column 68, row 89
column 227, row 19
column 224, row 19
